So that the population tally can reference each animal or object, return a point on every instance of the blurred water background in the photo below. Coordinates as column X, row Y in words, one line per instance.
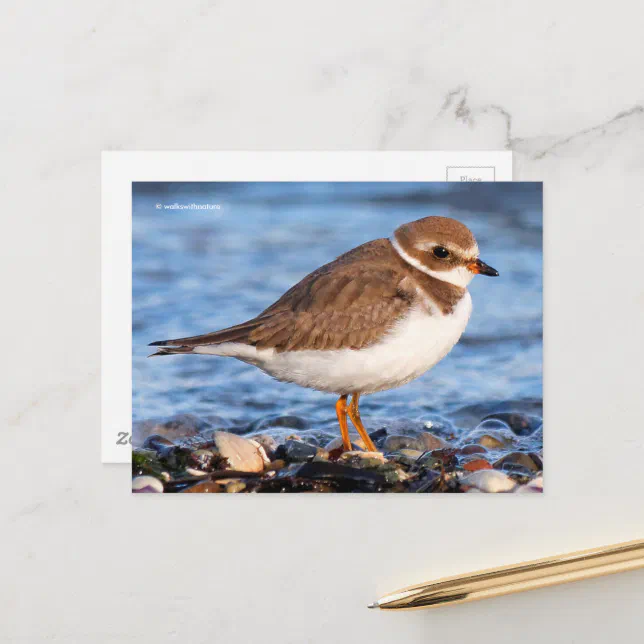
column 210, row 255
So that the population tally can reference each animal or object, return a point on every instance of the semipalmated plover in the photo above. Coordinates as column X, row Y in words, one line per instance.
column 373, row 319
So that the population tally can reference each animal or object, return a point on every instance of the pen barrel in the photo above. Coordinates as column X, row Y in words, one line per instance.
column 520, row 577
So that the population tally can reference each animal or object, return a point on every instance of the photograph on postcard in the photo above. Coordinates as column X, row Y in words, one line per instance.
column 337, row 337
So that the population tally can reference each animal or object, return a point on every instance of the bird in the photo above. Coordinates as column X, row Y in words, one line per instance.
column 373, row 319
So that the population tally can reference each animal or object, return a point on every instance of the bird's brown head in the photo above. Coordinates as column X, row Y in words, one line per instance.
column 443, row 248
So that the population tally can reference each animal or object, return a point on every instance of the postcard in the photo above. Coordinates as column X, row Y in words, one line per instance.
column 336, row 335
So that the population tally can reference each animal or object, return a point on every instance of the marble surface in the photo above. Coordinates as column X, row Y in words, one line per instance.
column 560, row 84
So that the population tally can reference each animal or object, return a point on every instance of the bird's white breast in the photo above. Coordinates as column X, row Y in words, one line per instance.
column 415, row 344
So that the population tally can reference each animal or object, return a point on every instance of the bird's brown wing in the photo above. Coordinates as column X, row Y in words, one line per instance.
column 349, row 303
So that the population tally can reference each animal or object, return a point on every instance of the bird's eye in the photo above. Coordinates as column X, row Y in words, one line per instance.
column 440, row 252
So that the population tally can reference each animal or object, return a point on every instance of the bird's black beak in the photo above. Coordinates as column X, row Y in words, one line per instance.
column 481, row 268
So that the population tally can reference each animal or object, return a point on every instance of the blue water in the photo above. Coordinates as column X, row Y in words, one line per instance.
column 198, row 270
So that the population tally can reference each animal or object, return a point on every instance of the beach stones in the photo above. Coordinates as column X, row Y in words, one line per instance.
column 363, row 459
column 396, row 443
column 430, row 442
column 295, row 451
column 205, row 487
column 520, row 424
column 519, row 462
column 489, row 481
column 472, row 448
column 469, row 415
column 475, row 463
column 157, row 442
column 179, row 426
column 439, row 426
column 402, row 427
column 446, row 457
column 503, row 453
column 406, row 456
column 492, row 434
column 356, row 443
column 235, row 486
column 423, row 442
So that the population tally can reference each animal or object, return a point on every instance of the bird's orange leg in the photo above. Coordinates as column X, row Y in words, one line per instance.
column 341, row 411
column 354, row 415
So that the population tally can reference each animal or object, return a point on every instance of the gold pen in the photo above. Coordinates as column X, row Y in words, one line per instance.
column 516, row 578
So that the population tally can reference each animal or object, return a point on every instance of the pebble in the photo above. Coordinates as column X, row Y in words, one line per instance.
column 363, row 459
column 431, row 442
column 411, row 453
column 356, row 443
column 276, row 465
column 475, row 463
column 396, row 443
column 157, row 442
column 447, row 457
column 406, row 456
column 234, row 486
column 404, row 427
column 180, row 426
column 242, row 454
column 492, row 434
column 205, row 487
column 472, row 449
column 519, row 461
column 439, row 426
column 488, row 440
column 489, row 481
column 465, row 416
column 493, row 424
column 294, row 451
column 146, row 484
column 520, row 424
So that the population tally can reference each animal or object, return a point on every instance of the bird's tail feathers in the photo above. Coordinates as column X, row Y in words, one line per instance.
column 169, row 351
column 239, row 333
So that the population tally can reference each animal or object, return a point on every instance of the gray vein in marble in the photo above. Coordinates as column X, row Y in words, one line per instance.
column 458, row 101
column 636, row 112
